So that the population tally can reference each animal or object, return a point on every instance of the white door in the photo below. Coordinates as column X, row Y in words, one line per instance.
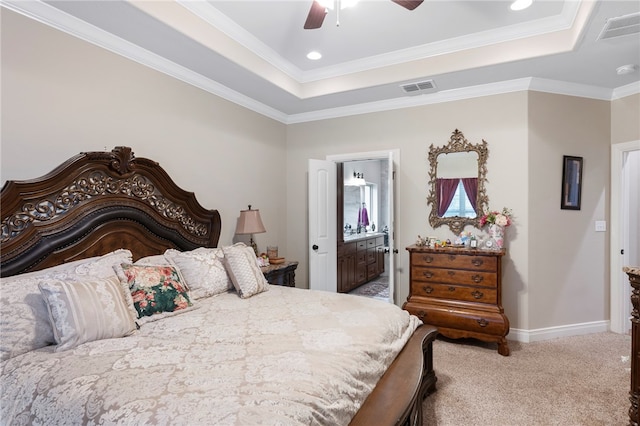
column 323, row 262
column 391, row 245
column 624, row 232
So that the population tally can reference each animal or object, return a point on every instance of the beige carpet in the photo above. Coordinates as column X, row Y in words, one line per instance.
column 581, row 380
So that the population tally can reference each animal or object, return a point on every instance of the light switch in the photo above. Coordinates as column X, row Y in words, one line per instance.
column 601, row 226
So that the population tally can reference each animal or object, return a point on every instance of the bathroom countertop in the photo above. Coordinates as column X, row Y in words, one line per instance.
column 361, row 236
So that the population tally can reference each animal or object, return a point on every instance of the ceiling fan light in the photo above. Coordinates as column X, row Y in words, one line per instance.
column 521, row 4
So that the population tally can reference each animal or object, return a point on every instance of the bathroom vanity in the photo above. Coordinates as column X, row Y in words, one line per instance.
column 360, row 259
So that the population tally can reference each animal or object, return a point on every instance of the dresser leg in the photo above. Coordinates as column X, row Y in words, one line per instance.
column 503, row 347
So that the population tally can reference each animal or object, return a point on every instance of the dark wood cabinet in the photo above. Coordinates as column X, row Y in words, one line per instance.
column 281, row 274
column 359, row 261
column 460, row 292
column 346, row 266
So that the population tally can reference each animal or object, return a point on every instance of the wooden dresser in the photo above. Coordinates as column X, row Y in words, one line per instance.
column 459, row 291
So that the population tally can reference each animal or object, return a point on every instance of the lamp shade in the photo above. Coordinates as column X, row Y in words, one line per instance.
column 250, row 222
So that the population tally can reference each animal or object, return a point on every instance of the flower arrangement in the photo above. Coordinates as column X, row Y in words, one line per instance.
column 500, row 218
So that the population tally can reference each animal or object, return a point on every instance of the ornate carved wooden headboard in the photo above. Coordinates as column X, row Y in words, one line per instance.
column 97, row 202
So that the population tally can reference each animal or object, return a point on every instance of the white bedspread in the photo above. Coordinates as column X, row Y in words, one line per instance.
column 283, row 357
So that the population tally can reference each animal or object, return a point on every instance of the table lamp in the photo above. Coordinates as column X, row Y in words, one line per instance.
column 250, row 223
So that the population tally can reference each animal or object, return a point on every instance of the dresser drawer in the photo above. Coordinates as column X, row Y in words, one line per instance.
column 492, row 323
column 455, row 292
column 446, row 260
column 453, row 276
column 371, row 242
column 362, row 245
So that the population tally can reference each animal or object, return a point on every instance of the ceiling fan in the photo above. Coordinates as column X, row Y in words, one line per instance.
column 319, row 10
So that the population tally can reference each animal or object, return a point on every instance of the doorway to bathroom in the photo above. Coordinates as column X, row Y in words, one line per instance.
column 368, row 214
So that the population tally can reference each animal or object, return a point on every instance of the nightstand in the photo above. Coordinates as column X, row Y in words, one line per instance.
column 281, row 274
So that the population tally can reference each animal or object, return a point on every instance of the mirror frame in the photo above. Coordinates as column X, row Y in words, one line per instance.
column 458, row 143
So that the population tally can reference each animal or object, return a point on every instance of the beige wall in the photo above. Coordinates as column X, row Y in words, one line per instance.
column 61, row 96
column 500, row 120
column 625, row 119
column 568, row 260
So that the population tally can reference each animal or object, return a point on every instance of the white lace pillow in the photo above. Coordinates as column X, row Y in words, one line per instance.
column 82, row 312
column 202, row 270
column 24, row 318
column 247, row 278
column 157, row 259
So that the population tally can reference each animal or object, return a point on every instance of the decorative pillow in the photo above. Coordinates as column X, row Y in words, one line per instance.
column 156, row 290
column 82, row 312
column 202, row 270
column 247, row 278
column 155, row 260
column 24, row 318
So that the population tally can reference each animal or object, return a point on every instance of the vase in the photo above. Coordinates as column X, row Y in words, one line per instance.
column 497, row 234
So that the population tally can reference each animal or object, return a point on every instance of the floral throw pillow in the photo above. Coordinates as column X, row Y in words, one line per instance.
column 156, row 290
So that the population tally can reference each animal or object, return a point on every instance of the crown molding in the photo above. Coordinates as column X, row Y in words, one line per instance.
column 55, row 18
column 210, row 14
column 570, row 89
column 624, row 91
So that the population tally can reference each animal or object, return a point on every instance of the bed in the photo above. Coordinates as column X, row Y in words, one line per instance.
column 117, row 307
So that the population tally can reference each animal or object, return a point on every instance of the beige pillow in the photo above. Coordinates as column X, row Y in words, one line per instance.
column 203, row 271
column 24, row 319
column 82, row 312
column 243, row 269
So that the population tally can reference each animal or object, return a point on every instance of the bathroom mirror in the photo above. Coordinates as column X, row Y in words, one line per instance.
column 457, row 176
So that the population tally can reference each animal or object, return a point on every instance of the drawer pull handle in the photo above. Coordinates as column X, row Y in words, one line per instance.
column 452, row 257
column 427, row 289
column 427, row 274
column 477, row 294
column 477, row 278
column 482, row 322
column 452, row 273
column 477, row 262
column 452, row 288
column 422, row 314
column 427, row 259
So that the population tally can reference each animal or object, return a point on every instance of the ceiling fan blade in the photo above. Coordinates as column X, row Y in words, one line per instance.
column 315, row 17
column 408, row 4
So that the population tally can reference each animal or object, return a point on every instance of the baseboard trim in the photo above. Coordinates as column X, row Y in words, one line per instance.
column 536, row 335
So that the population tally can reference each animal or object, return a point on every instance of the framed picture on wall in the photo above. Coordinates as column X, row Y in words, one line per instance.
column 571, row 182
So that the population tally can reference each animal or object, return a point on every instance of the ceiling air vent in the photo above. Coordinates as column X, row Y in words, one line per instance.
column 621, row 26
column 420, row 86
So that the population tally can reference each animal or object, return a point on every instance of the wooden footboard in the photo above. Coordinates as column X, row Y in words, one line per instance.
column 397, row 398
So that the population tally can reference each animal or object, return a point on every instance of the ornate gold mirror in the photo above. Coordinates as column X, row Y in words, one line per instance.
column 457, row 176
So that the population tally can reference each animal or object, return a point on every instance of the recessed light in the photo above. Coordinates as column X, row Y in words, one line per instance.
column 626, row 69
column 314, row 56
column 521, row 4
